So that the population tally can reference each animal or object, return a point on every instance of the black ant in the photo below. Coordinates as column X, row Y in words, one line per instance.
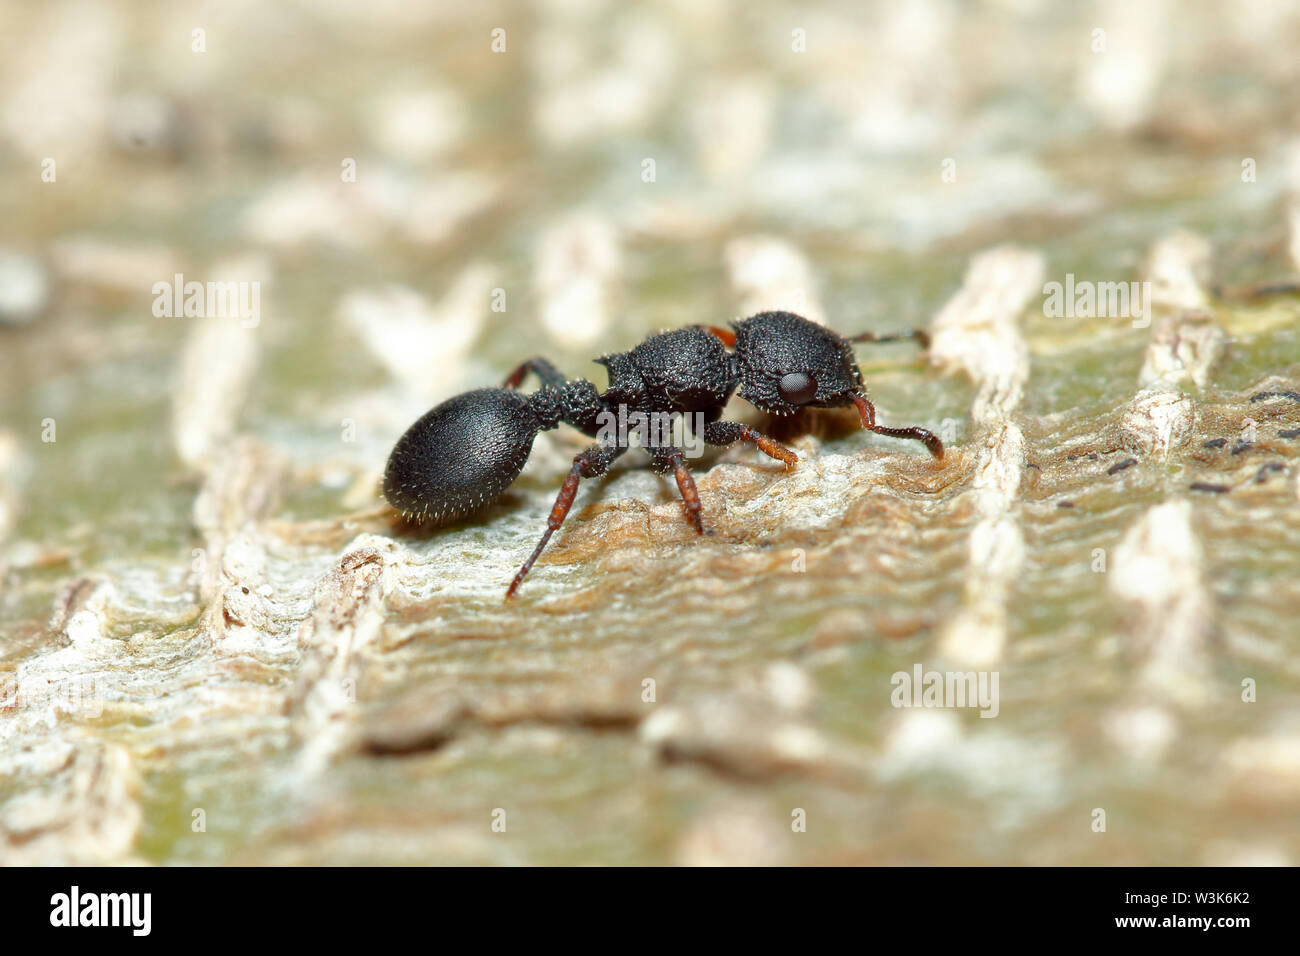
column 464, row 453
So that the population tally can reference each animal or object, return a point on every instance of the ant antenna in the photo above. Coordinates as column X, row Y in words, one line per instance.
column 920, row 336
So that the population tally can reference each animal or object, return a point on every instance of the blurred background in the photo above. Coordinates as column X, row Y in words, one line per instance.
column 414, row 197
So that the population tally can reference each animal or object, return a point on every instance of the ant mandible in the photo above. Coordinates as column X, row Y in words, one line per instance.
column 464, row 453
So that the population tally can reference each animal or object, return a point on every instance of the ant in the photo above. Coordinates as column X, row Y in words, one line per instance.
column 464, row 453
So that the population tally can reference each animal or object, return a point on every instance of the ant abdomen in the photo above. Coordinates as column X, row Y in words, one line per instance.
column 460, row 455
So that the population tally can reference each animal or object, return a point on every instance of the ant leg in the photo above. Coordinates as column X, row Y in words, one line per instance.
column 726, row 336
column 728, row 433
column 665, row 458
column 867, row 413
column 920, row 336
column 591, row 463
column 544, row 370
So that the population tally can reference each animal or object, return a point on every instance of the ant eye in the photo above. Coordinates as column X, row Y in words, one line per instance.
column 798, row 388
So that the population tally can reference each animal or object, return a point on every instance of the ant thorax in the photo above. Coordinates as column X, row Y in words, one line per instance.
column 685, row 370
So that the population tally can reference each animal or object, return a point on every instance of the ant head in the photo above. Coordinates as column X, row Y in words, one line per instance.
column 787, row 362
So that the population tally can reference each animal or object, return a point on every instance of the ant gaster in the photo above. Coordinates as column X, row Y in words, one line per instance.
column 464, row 453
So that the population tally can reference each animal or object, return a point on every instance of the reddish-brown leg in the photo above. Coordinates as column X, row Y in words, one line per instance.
column 591, row 463
column 547, row 372
column 686, row 485
column 867, row 414
column 728, row 433
column 769, row 447
column 726, row 336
